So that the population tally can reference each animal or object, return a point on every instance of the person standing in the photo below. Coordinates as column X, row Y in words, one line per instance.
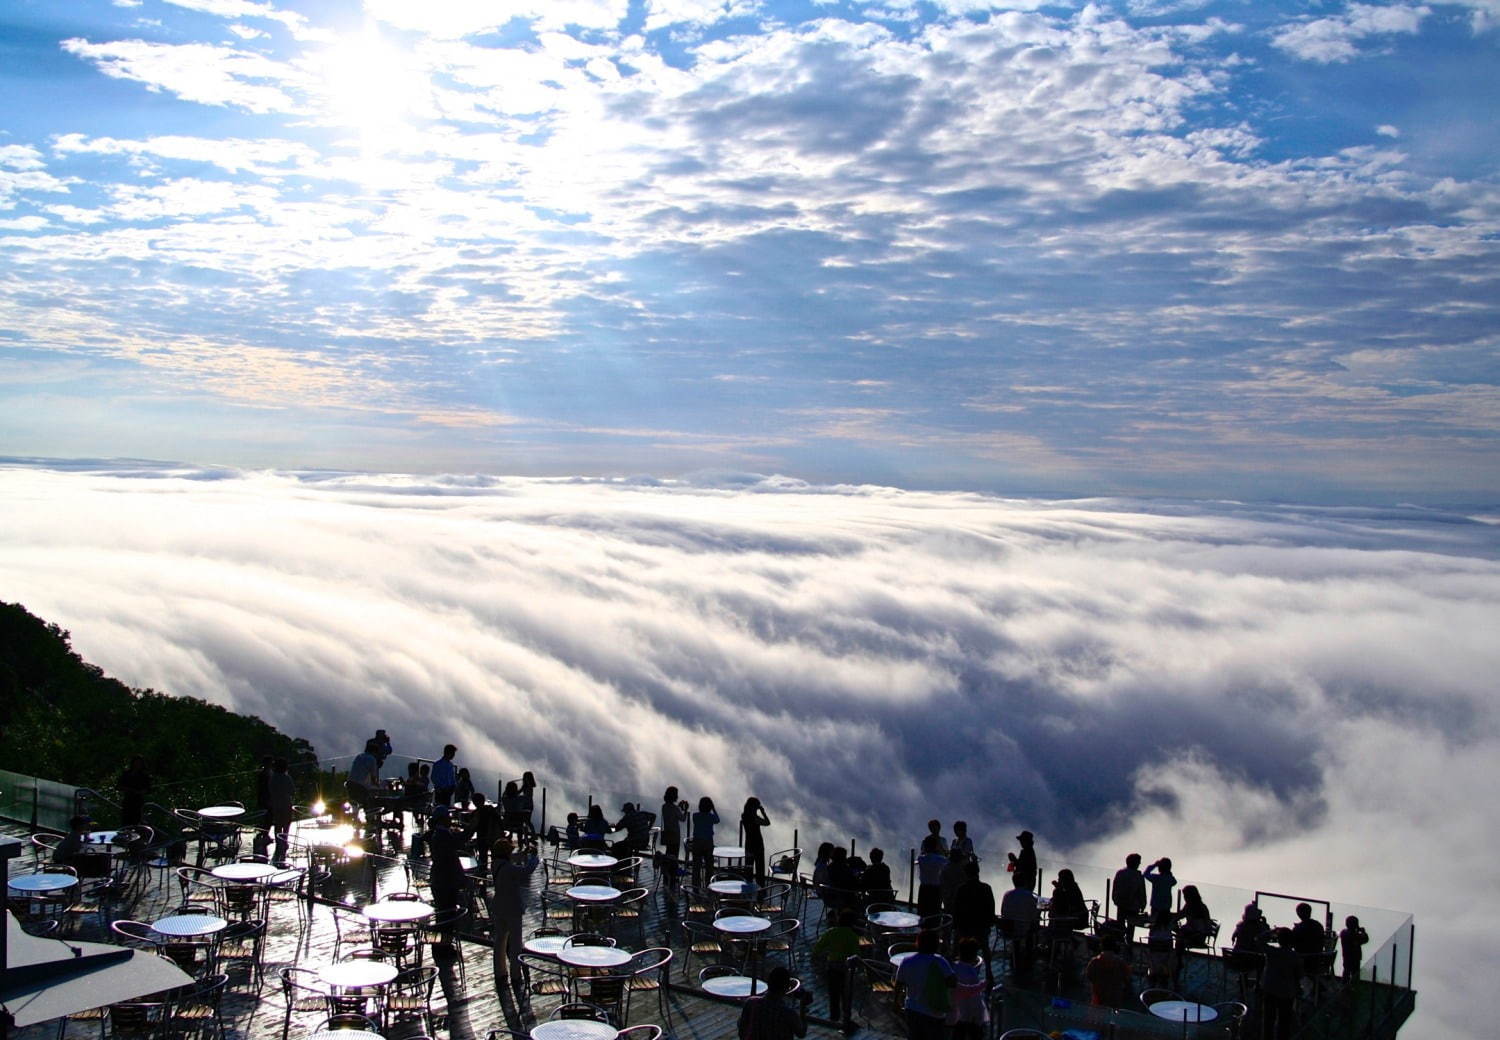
column 1159, row 875
column 1128, row 893
column 444, row 776
column 363, row 781
column 704, row 821
column 446, row 875
column 974, row 909
column 281, row 793
column 833, row 950
column 753, row 819
column 674, row 814
column 511, row 879
column 929, row 981
column 1024, row 864
column 135, row 785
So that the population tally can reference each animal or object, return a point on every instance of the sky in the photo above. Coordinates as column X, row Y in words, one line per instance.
column 1201, row 248
column 1296, row 699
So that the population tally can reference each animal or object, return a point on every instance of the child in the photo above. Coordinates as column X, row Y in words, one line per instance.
column 833, row 950
column 1352, row 944
column 572, row 838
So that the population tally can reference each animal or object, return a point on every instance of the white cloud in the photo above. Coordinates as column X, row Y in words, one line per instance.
column 1314, row 685
column 201, row 72
column 1336, row 38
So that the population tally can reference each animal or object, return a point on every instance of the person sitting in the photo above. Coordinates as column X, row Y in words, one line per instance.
column 573, row 832
column 1068, row 912
column 595, row 827
column 770, row 1017
column 1252, row 932
column 843, row 886
column 73, row 843
column 636, row 823
column 875, row 882
column 1308, row 936
column 1195, row 923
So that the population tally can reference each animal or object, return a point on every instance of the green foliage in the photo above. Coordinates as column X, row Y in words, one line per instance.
column 63, row 719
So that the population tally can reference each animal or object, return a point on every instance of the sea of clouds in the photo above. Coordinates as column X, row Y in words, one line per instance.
column 1283, row 698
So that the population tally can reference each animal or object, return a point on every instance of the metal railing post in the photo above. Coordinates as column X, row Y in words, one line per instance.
column 544, row 812
column 911, row 877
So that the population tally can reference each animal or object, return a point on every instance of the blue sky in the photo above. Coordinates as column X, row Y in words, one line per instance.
column 1148, row 247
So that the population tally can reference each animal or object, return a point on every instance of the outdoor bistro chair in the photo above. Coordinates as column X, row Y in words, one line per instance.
column 650, row 970
column 304, row 993
column 197, row 1007
column 410, row 996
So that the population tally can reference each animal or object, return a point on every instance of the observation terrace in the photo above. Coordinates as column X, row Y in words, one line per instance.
column 314, row 919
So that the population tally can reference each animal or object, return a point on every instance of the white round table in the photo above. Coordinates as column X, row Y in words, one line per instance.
column 102, row 837
column 738, row 987
column 573, row 1029
column 358, row 974
column 741, row 889
column 592, row 861
column 899, row 919
column 399, row 911
column 41, row 882
column 222, row 812
column 244, row 872
column 1183, row 1011
column 545, row 945
column 189, row 926
column 594, row 956
column 593, row 893
column 729, row 852
column 742, row 924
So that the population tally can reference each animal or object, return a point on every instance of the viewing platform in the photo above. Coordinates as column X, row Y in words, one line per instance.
column 350, row 926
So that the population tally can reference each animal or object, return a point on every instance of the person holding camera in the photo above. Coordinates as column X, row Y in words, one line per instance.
column 772, row 1017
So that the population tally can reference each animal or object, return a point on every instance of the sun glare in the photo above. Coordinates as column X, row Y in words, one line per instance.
column 373, row 86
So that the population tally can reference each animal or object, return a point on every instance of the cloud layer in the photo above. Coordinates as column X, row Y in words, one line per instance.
column 1284, row 698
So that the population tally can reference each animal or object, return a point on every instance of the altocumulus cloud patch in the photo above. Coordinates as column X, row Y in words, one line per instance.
column 1274, row 696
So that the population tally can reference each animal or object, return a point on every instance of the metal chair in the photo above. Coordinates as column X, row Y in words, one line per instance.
column 609, row 990
column 304, row 993
column 244, row 942
column 197, row 1007
column 1154, row 996
column 135, row 933
column 410, row 996
column 701, row 941
column 1232, row 1012
column 645, row 1032
column 579, row 1009
column 650, row 970
column 336, row 1022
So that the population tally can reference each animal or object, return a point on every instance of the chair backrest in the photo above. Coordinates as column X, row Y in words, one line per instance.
column 403, row 897
column 785, row 862
column 650, row 960
column 645, row 1032
column 303, row 979
column 588, row 939
column 580, row 1009
column 348, row 1021
column 134, row 932
column 1023, row 1034
column 716, row 971
column 1153, row 996
column 419, row 981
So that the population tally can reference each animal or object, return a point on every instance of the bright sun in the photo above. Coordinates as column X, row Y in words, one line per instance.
column 373, row 86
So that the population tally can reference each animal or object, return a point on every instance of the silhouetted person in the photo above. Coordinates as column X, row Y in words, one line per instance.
column 833, row 950
column 952, row 876
column 463, row 790
column 1352, row 946
column 930, row 866
column 135, row 785
column 935, row 830
column 772, row 1016
column 929, row 981
column 636, row 823
column 970, row 1012
column 511, row 879
column 875, row 882
column 281, row 793
column 1068, row 911
column 1109, row 976
column 1024, row 862
column 444, row 776
column 382, row 743
column 1194, row 925
column 1128, row 893
column 1308, row 936
column 843, row 886
column 961, row 840
column 1159, row 876
column 674, row 813
column 753, row 819
column 1252, row 932
column 1018, row 919
column 363, row 781
column 487, row 828
column 446, row 876
column 703, row 823
column 974, row 908
column 1280, row 980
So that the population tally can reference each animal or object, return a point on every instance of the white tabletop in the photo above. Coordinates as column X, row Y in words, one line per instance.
column 358, row 974
column 742, row 924
column 736, row 986
column 1183, row 1011
column 592, row 861
column 244, row 871
column 42, row 882
column 729, row 852
column 399, row 911
column 895, row 919
column 573, row 1029
column 187, row 926
column 102, row 837
column 898, row 958
column 593, row 893
column 733, row 888
column 594, row 956
column 546, row 945
column 222, row 812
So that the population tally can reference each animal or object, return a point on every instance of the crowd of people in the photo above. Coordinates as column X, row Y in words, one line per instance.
column 944, row 981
